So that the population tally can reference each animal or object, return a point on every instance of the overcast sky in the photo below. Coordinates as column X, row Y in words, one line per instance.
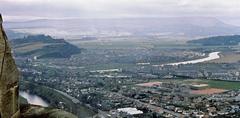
column 227, row 10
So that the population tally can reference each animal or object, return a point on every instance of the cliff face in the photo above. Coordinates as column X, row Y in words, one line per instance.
column 9, row 75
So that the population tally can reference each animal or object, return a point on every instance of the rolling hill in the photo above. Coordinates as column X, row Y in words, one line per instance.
column 42, row 46
column 218, row 40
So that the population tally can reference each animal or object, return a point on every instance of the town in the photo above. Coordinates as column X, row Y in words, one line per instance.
column 138, row 88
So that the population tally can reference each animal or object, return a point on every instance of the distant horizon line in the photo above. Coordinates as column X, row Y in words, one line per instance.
column 18, row 19
column 31, row 18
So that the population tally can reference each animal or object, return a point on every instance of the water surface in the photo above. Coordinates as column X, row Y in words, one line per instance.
column 211, row 56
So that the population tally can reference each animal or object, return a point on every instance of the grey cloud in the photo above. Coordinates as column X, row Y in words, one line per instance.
column 120, row 8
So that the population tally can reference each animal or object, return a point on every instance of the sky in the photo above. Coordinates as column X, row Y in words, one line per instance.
column 226, row 10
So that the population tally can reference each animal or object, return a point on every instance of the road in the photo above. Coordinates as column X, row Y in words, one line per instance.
column 151, row 107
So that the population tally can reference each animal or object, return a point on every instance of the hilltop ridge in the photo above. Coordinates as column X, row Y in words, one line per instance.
column 42, row 46
column 218, row 40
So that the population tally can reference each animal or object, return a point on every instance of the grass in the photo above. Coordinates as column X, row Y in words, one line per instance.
column 22, row 100
column 30, row 47
column 228, row 58
column 24, row 48
column 229, row 85
column 220, row 84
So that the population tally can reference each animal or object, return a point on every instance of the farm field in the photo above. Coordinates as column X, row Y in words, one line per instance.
column 228, row 58
column 217, row 84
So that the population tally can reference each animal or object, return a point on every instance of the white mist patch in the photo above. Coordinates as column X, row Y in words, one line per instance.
column 47, row 31
column 33, row 99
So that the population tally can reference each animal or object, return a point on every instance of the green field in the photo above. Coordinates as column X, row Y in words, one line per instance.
column 228, row 85
column 30, row 47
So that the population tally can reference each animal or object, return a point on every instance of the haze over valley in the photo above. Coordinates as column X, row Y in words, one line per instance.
column 164, row 28
column 134, row 59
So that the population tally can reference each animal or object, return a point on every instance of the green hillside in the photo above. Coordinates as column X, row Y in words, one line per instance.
column 43, row 46
column 218, row 40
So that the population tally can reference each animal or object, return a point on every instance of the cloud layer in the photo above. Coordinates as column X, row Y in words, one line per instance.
column 120, row 8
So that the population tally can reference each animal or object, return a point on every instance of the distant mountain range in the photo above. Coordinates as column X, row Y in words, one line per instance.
column 42, row 46
column 218, row 40
column 172, row 26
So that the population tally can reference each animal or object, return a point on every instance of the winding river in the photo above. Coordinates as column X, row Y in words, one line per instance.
column 211, row 56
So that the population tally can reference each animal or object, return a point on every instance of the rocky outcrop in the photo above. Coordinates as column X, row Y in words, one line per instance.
column 33, row 111
column 9, row 75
